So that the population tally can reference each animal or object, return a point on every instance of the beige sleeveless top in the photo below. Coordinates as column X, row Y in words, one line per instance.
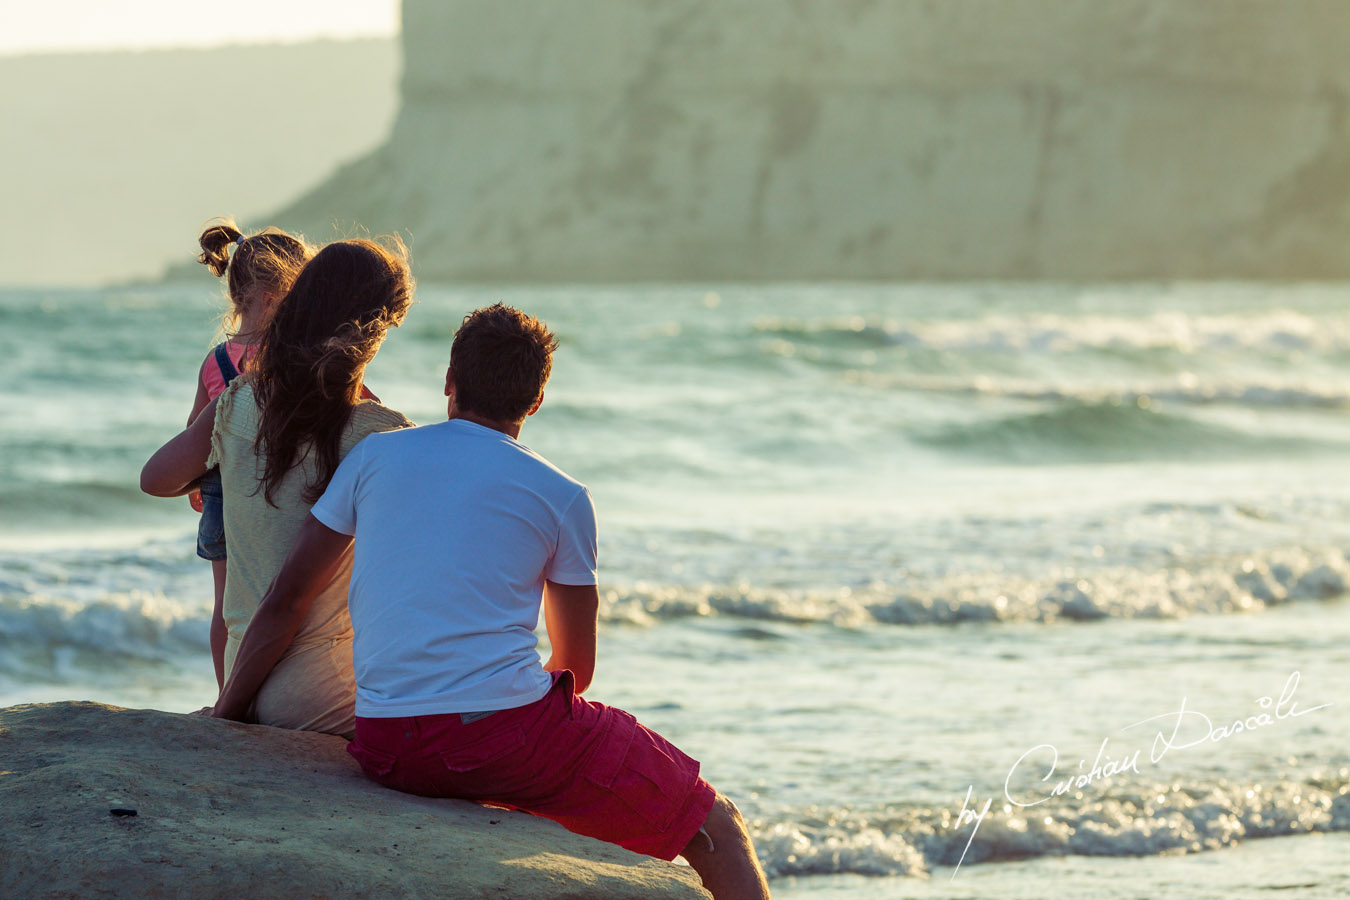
column 312, row 688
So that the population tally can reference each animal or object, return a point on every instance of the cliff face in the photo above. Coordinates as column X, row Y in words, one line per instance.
column 690, row 139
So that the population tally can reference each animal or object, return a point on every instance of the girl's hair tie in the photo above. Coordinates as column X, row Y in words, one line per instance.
column 239, row 240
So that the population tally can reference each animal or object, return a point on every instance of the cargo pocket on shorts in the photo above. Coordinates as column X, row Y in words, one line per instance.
column 485, row 750
column 375, row 763
column 622, row 764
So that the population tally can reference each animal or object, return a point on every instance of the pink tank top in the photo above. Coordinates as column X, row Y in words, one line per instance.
column 212, row 378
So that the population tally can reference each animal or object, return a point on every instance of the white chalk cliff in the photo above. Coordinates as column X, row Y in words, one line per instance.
column 747, row 139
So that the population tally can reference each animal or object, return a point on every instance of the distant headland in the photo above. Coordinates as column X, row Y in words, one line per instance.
column 869, row 139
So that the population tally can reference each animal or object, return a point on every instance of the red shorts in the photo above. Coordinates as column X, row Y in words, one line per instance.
column 592, row 768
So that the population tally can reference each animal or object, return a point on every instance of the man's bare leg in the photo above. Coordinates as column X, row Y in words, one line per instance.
column 724, row 857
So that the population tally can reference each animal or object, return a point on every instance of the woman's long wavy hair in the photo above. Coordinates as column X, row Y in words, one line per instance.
column 308, row 370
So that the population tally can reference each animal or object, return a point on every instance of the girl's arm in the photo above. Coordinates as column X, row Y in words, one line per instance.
column 179, row 465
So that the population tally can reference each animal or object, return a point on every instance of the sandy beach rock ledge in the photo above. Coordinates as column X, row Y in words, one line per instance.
column 228, row 810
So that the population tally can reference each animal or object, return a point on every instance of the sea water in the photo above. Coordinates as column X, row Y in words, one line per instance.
column 890, row 560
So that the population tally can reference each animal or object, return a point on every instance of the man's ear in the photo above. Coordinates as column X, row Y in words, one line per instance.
column 538, row 403
column 449, row 382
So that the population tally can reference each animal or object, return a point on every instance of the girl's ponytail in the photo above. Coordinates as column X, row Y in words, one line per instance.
column 261, row 266
column 215, row 241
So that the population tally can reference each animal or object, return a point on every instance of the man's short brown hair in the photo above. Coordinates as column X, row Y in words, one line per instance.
column 501, row 360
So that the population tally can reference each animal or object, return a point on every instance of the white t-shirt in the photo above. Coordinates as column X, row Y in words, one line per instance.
column 457, row 526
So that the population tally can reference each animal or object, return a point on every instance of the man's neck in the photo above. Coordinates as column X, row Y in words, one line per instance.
column 510, row 429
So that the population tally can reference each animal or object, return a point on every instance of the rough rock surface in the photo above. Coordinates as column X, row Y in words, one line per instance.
column 617, row 140
column 245, row 811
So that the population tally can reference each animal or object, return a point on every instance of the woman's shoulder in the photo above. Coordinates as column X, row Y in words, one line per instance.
column 237, row 408
column 236, row 416
column 238, row 395
column 370, row 416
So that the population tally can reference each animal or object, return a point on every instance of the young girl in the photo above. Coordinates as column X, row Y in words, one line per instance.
column 259, row 270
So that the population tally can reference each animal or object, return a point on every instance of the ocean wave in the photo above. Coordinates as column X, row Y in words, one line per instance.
column 58, row 499
column 66, row 614
column 1276, row 332
column 44, row 638
column 1147, row 820
column 1103, row 432
column 63, row 611
column 1186, row 389
column 1237, row 584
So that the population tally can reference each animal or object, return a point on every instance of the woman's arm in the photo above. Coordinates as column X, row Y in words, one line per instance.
column 180, row 463
column 198, row 404
column 313, row 562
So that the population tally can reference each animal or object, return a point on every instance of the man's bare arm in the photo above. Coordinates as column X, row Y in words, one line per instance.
column 313, row 562
column 570, row 612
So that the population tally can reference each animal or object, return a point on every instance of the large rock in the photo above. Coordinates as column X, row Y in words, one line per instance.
column 244, row 811
column 824, row 139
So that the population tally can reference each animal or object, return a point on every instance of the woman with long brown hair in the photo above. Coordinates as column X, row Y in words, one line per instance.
column 278, row 434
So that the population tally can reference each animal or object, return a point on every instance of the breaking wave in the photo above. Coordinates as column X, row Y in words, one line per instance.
column 1277, row 331
column 1146, row 820
column 1237, row 584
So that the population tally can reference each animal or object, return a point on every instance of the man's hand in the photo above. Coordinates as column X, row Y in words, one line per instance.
column 195, row 500
column 570, row 612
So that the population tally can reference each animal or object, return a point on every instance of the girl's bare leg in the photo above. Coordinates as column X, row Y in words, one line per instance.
column 218, row 630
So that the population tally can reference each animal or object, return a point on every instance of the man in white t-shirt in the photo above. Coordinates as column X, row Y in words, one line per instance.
column 461, row 535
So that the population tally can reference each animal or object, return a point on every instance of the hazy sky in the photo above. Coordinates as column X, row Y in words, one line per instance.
column 53, row 25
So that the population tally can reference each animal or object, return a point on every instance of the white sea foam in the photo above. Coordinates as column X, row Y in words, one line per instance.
column 1244, row 583
column 46, row 638
column 1280, row 331
column 64, row 614
column 1151, row 819
column 64, row 610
